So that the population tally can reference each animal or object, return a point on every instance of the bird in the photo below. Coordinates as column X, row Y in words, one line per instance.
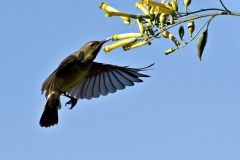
column 79, row 77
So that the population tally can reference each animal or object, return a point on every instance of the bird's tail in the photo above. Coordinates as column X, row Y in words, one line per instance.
column 50, row 114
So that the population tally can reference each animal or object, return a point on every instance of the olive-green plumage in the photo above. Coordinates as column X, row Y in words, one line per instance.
column 78, row 77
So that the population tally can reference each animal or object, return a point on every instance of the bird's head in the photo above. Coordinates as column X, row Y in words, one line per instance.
column 92, row 48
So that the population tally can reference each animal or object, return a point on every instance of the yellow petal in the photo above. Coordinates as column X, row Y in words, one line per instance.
column 109, row 9
column 116, row 37
column 140, row 6
column 135, row 45
column 161, row 8
column 118, row 44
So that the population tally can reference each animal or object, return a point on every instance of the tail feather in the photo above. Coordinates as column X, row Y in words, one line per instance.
column 50, row 114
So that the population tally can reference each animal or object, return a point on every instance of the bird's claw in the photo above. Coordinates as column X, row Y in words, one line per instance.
column 72, row 101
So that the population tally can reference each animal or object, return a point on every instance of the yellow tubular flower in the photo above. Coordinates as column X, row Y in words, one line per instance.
column 155, row 10
column 140, row 6
column 116, row 37
column 121, row 14
column 106, row 7
column 161, row 7
column 141, row 26
column 118, row 44
column 151, row 11
column 148, row 8
column 135, row 45
column 151, row 3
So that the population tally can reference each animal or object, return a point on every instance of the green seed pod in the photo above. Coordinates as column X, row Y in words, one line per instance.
column 201, row 43
column 186, row 3
column 181, row 32
column 170, row 50
column 191, row 27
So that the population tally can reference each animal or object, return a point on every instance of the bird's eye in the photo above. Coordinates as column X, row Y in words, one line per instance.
column 92, row 45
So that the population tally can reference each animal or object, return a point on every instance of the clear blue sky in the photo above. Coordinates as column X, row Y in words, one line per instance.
column 187, row 110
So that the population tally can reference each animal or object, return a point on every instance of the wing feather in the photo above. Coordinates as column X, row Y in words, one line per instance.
column 106, row 78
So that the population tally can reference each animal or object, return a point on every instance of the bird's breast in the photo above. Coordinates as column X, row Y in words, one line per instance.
column 75, row 76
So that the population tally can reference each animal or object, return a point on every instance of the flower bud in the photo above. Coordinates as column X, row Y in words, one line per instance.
column 170, row 50
column 191, row 27
column 186, row 3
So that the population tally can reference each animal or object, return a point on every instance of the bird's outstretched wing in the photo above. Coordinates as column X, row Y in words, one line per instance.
column 105, row 78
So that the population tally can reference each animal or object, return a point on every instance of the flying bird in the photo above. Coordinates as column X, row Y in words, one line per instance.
column 78, row 77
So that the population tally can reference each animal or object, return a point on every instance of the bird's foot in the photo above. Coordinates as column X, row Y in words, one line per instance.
column 72, row 101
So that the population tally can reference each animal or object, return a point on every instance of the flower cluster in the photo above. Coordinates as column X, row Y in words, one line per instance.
column 152, row 24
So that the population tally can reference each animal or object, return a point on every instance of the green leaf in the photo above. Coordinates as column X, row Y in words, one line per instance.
column 202, row 40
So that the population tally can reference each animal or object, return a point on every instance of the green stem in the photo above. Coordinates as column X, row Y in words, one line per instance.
column 202, row 10
column 182, row 20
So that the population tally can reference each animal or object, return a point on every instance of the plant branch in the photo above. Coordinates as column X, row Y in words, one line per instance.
column 202, row 10
column 207, row 22
column 188, row 18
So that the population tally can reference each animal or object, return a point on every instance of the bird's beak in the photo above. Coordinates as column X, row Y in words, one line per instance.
column 105, row 40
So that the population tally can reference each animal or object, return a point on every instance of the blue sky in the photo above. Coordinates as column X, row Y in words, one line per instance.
column 188, row 109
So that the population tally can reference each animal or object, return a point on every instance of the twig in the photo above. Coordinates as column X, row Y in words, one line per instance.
column 207, row 22
column 224, row 7
column 201, row 10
